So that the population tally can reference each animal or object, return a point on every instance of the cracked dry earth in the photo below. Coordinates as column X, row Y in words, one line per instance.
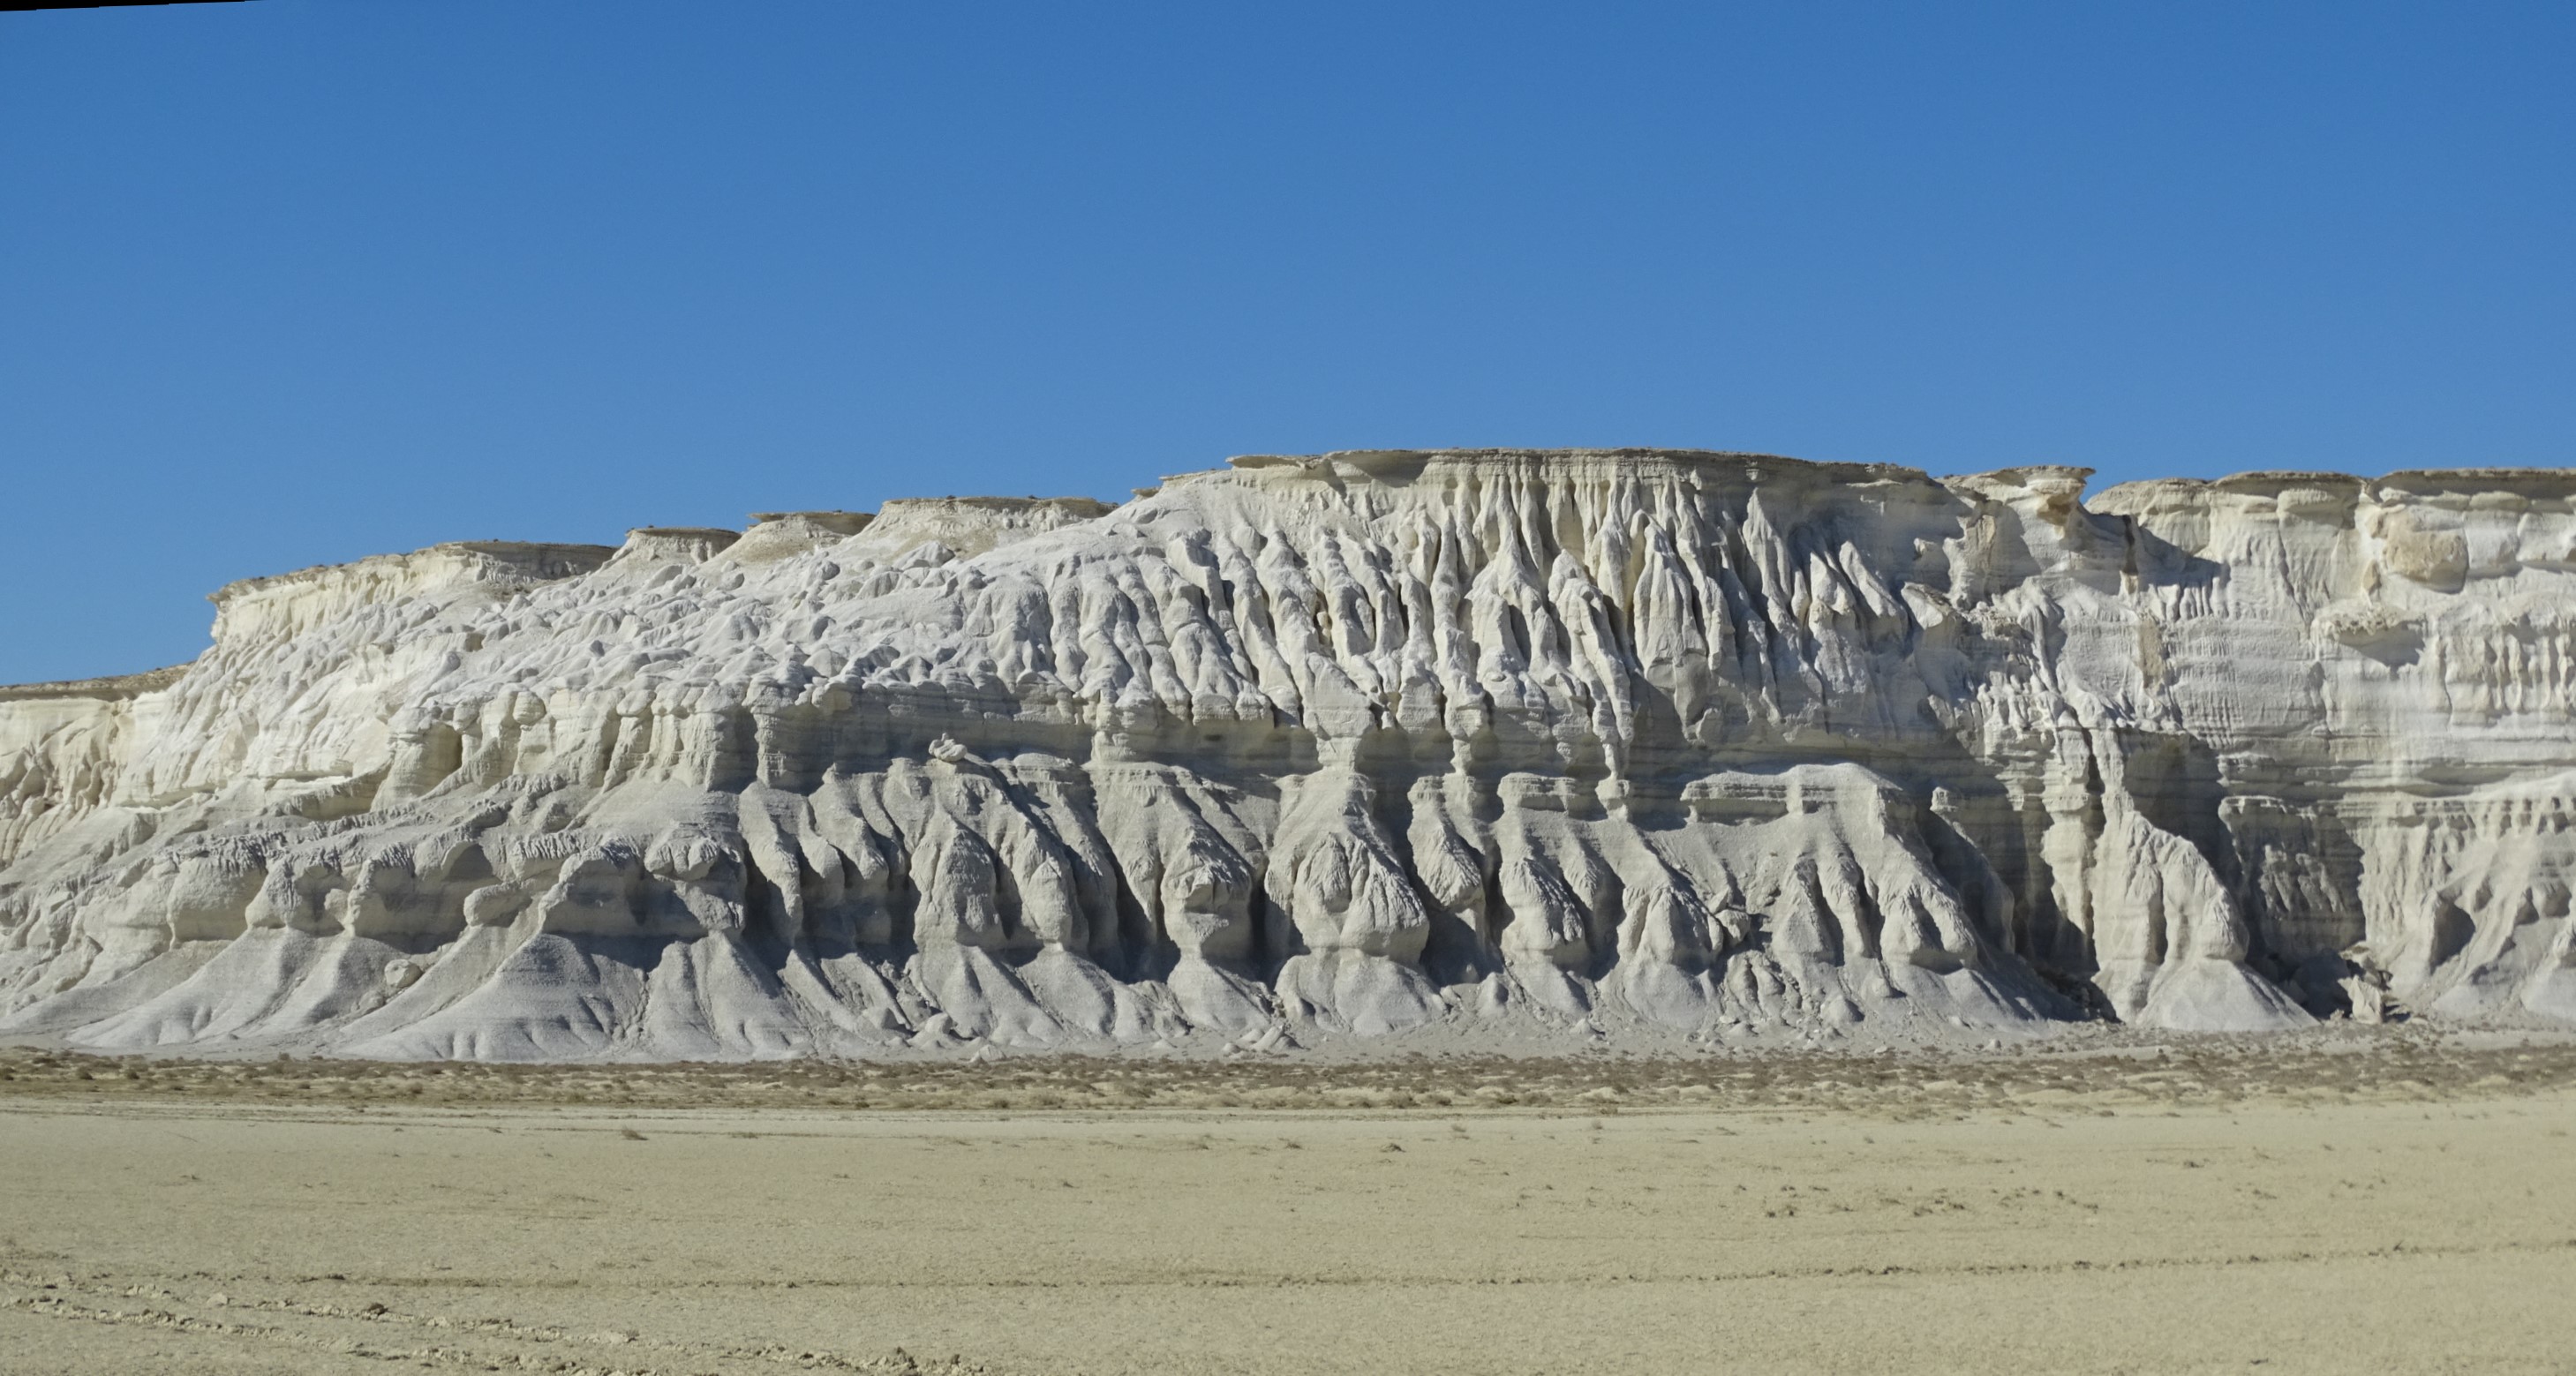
column 2382, row 1200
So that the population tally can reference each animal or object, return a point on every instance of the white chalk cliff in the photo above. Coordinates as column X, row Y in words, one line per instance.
column 1613, row 744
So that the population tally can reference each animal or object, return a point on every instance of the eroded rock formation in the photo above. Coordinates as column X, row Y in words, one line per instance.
column 1609, row 743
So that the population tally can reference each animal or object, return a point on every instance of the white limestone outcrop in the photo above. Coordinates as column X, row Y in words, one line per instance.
column 1593, row 743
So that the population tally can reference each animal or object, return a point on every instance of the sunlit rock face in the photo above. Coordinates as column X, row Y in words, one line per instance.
column 1636, row 745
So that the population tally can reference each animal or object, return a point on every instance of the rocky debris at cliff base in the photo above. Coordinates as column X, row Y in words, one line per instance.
column 2102, row 1067
column 1472, row 748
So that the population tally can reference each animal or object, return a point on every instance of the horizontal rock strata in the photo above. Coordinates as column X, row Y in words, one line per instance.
column 1630, row 743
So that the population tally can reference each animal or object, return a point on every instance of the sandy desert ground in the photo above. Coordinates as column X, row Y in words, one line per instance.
column 2383, row 1201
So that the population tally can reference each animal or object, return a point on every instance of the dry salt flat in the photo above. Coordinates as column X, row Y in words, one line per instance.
column 2380, row 1202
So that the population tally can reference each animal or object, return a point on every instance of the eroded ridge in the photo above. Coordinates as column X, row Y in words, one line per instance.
column 1644, row 745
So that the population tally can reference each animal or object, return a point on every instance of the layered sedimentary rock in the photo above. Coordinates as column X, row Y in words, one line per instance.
column 1635, row 744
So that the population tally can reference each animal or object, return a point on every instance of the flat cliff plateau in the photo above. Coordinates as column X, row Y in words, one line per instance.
column 1459, row 747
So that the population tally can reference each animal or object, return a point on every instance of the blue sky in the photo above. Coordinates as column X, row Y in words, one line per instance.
column 297, row 281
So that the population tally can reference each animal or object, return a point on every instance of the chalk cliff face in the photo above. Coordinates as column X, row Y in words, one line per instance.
column 1636, row 744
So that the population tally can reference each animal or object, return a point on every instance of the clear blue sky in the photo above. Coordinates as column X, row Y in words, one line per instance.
column 302, row 280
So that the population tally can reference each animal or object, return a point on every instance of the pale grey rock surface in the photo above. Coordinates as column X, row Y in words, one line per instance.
column 1625, row 745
